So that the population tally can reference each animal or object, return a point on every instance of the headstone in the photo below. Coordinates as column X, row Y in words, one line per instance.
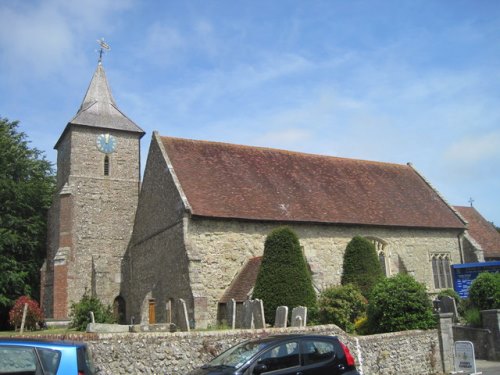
column 184, row 319
column 92, row 317
column 259, row 320
column 247, row 314
column 281, row 318
column 299, row 316
column 231, row 313
column 448, row 305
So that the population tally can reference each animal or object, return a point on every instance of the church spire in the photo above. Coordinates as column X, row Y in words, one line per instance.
column 99, row 109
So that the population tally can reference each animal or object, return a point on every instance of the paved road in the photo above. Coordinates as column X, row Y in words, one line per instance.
column 487, row 367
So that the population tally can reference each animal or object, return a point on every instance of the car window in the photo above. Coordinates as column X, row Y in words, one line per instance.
column 50, row 360
column 315, row 351
column 85, row 364
column 17, row 360
column 282, row 356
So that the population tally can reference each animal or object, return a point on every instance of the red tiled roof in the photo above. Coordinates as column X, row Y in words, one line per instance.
column 482, row 231
column 244, row 282
column 232, row 181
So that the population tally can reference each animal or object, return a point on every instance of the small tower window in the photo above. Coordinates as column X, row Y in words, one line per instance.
column 106, row 165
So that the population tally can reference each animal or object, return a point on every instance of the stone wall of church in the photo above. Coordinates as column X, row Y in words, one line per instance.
column 103, row 211
column 221, row 248
column 156, row 267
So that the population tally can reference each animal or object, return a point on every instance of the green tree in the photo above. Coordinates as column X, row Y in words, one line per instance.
column 361, row 265
column 341, row 305
column 26, row 187
column 399, row 303
column 80, row 312
column 484, row 292
column 284, row 278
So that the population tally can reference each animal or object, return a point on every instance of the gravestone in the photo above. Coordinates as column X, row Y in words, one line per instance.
column 247, row 314
column 184, row 319
column 259, row 320
column 281, row 318
column 231, row 313
column 448, row 305
column 299, row 316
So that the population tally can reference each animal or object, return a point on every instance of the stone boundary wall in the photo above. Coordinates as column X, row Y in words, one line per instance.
column 484, row 347
column 409, row 352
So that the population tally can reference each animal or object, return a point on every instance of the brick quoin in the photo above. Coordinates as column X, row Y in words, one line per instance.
column 60, row 291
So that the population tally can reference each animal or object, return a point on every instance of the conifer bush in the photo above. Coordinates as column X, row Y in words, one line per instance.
column 284, row 278
column 361, row 265
column 80, row 312
column 399, row 303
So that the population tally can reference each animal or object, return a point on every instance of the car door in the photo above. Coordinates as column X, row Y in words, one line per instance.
column 281, row 359
column 319, row 357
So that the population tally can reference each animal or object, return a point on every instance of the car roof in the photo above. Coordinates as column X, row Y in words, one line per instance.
column 40, row 342
column 285, row 337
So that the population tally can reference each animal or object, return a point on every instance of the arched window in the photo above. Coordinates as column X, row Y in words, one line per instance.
column 106, row 165
column 380, row 247
column 441, row 271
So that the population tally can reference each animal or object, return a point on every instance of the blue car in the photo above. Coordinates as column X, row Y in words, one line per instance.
column 40, row 357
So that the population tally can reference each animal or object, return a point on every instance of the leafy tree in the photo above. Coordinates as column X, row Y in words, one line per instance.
column 341, row 305
column 284, row 278
column 484, row 292
column 361, row 265
column 34, row 314
column 80, row 312
column 399, row 303
column 26, row 186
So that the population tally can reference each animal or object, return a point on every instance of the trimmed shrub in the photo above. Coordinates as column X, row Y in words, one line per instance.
column 80, row 312
column 484, row 292
column 284, row 278
column 341, row 305
column 449, row 293
column 361, row 265
column 399, row 303
column 34, row 315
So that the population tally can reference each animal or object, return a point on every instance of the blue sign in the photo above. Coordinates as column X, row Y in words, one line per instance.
column 465, row 274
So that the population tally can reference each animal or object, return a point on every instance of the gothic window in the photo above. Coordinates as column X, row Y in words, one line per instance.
column 106, row 165
column 441, row 271
column 380, row 247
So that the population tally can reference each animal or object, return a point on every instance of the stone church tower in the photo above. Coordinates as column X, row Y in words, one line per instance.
column 92, row 214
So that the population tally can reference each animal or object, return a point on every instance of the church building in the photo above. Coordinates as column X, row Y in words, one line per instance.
column 195, row 228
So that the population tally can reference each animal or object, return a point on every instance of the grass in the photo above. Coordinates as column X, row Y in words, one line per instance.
column 48, row 331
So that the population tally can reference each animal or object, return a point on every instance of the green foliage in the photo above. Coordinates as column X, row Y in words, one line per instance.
column 34, row 314
column 399, row 303
column 284, row 278
column 472, row 316
column 484, row 293
column 450, row 293
column 26, row 187
column 80, row 312
column 341, row 305
column 361, row 265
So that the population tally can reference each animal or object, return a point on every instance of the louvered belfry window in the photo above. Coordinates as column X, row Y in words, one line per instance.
column 106, row 165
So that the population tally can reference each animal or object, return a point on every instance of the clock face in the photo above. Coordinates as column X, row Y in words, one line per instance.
column 106, row 143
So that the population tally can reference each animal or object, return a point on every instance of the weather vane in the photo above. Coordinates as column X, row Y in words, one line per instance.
column 471, row 201
column 104, row 48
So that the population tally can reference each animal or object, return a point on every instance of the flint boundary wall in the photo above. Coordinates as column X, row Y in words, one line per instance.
column 410, row 352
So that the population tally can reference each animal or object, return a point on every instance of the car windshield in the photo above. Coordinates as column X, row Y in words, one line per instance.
column 238, row 355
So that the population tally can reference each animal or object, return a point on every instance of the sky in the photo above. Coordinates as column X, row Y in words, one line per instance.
column 392, row 81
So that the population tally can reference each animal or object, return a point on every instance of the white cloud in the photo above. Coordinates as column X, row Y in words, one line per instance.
column 474, row 149
column 43, row 37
